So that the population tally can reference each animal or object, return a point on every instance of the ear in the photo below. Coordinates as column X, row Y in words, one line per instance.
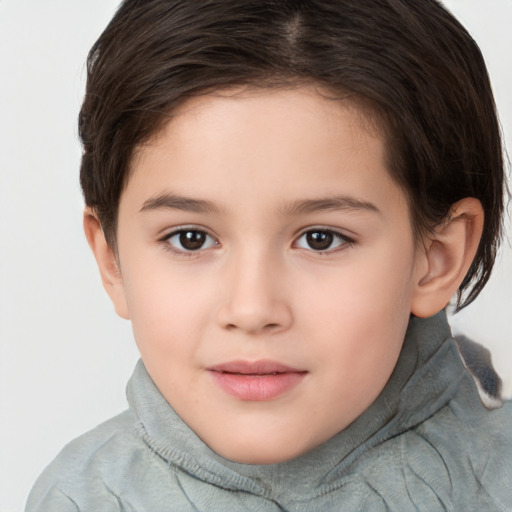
column 107, row 262
column 446, row 256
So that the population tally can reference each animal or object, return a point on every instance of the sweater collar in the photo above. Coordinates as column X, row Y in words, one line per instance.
column 425, row 378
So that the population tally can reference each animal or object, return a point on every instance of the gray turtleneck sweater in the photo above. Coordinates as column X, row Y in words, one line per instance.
column 426, row 444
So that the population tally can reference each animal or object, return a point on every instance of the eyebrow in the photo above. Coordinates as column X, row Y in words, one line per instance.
column 177, row 202
column 335, row 203
column 305, row 206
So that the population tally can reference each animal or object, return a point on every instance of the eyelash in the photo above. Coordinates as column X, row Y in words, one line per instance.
column 344, row 240
column 332, row 236
column 186, row 253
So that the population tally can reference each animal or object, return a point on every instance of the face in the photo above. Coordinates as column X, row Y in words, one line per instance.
column 267, row 264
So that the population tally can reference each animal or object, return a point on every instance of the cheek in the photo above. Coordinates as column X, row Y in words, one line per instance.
column 371, row 283
column 167, row 309
column 359, row 314
column 168, row 322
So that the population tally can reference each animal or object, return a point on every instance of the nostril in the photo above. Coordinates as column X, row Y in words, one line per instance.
column 268, row 327
column 254, row 318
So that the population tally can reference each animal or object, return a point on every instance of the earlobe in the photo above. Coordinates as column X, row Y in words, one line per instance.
column 107, row 263
column 446, row 257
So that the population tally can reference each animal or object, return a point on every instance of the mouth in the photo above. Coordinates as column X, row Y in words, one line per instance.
column 257, row 380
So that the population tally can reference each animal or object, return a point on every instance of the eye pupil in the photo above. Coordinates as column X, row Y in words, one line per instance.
column 192, row 240
column 319, row 240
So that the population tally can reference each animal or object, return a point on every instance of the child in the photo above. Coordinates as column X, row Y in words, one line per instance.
column 283, row 196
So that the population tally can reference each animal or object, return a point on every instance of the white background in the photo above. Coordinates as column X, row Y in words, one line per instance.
column 64, row 355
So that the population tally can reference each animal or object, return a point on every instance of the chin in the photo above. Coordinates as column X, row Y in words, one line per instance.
column 255, row 455
column 260, row 459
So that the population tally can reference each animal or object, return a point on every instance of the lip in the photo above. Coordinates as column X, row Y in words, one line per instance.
column 256, row 380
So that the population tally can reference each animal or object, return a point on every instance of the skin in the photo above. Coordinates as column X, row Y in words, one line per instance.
column 258, row 289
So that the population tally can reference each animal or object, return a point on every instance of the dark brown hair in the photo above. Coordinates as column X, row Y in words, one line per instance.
column 410, row 60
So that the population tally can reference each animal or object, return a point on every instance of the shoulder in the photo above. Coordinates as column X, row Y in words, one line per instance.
column 459, row 459
column 472, row 447
column 109, row 469
column 94, row 470
column 81, row 463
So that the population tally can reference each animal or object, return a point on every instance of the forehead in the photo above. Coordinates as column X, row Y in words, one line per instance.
column 301, row 103
column 282, row 144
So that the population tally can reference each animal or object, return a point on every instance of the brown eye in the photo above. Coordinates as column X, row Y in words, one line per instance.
column 319, row 240
column 192, row 240
column 189, row 240
column 322, row 240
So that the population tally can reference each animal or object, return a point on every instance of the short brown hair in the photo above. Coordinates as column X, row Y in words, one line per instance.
column 410, row 60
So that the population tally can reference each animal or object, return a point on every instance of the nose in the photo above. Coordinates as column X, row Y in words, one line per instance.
column 254, row 298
